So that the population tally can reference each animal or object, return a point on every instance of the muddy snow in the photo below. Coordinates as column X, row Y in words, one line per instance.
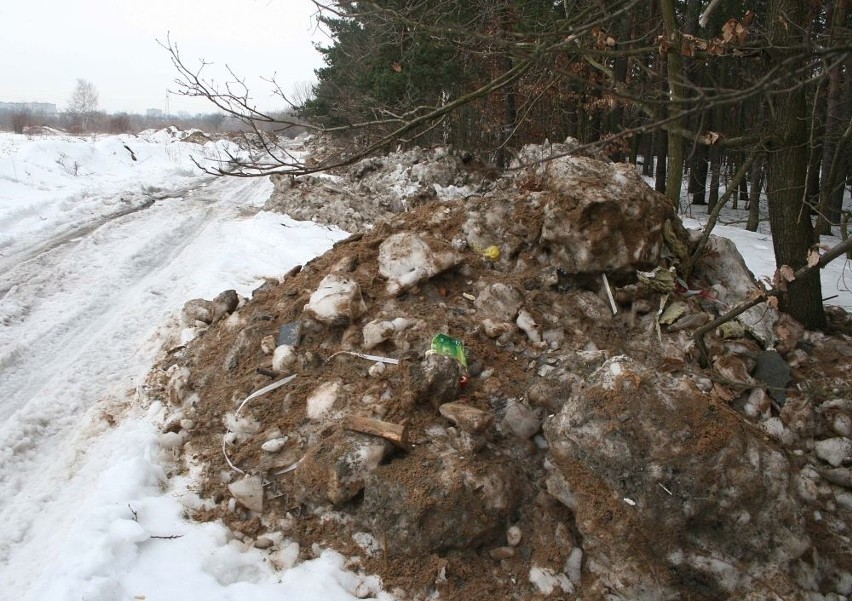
column 496, row 393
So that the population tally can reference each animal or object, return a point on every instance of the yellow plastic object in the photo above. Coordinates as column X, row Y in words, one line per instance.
column 449, row 346
column 492, row 252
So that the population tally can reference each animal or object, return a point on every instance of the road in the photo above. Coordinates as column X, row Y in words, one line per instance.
column 80, row 323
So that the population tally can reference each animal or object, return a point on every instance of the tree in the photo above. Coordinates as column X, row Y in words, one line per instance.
column 83, row 104
column 489, row 75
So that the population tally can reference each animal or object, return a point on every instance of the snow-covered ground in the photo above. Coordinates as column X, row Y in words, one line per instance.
column 98, row 252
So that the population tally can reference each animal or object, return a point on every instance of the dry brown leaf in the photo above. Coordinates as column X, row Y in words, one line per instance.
column 772, row 301
column 711, row 137
column 813, row 257
column 396, row 67
column 723, row 393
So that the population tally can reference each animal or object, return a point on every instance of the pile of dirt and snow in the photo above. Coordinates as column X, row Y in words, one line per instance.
column 572, row 448
column 377, row 188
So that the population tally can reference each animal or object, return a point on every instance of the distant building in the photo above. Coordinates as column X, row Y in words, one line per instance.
column 44, row 109
column 154, row 113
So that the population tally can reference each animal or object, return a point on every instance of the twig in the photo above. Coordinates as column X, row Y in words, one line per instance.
column 609, row 294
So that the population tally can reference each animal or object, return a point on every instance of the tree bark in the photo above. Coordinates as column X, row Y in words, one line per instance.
column 792, row 231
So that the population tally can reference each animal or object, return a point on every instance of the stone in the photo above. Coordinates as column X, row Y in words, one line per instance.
column 834, row 451
column 732, row 500
column 321, row 401
column 773, row 371
column 197, row 310
column 263, row 542
column 457, row 504
column 406, row 259
column 336, row 469
column 283, row 358
column 499, row 302
column 435, row 380
column 513, row 536
column 604, row 217
column 274, row 445
column 501, row 553
column 520, row 420
column 376, row 332
column 526, row 323
column 268, row 345
column 337, row 301
column 248, row 492
column 224, row 304
column 469, row 419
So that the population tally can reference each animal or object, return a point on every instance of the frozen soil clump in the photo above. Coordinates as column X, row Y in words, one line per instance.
column 571, row 452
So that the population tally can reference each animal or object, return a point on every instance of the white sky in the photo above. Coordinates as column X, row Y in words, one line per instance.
column 46, row 45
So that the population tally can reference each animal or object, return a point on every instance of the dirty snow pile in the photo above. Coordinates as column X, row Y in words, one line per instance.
column 502, row 398
column 98, row 254
column 376, row 188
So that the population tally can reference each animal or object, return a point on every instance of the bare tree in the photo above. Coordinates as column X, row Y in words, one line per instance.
column 83, row 103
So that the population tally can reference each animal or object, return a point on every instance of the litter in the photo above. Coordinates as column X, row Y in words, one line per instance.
column 450, row 347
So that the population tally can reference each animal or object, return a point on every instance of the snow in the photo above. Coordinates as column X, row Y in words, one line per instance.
column 98, row 253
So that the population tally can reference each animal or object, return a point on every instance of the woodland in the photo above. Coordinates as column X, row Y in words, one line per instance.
column 733, row 101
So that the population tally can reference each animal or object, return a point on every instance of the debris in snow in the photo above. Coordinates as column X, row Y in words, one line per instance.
column 626, row 466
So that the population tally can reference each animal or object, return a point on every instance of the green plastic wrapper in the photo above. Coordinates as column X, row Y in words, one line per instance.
column 449, row 346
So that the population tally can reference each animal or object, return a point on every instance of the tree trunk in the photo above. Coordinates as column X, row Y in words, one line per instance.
column 715, row 176
column 698, row 175
column 792, row 231
column 831, row 184
column 754, row 199
column 677, row 93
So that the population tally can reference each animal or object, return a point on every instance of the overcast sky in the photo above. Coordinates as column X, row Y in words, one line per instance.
column 46, row 45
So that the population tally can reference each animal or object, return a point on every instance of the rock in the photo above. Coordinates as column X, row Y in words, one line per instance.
column 406, row 259
column 321, row 401
column 263, row 543
column 604, row 218
column 834, row 451
column 283, row 358
column 520, row 420
column 837, row 413
column 336, row 301
column 377, row 369
column 336, row 469
column 513, row 536
column 573, row 566
column 469, row 419
column 197, row 311
column 499, row 302
column 498, row 329
column 459, row 502
column 501, row 553
column 224, row 304
column 274, row 445
column 248, row 492
column 267, row 344
column 435, row 380
column 526, row 322
column 773, row 371
column 732, row 500
column 377, row 331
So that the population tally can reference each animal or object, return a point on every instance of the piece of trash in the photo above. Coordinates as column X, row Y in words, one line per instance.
column 289, row 334
column 630, row 502
column 450, row 347
column 492, row 252
column 659, row 280
column 609, row 294
column 388, row 360
column 672, row 313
